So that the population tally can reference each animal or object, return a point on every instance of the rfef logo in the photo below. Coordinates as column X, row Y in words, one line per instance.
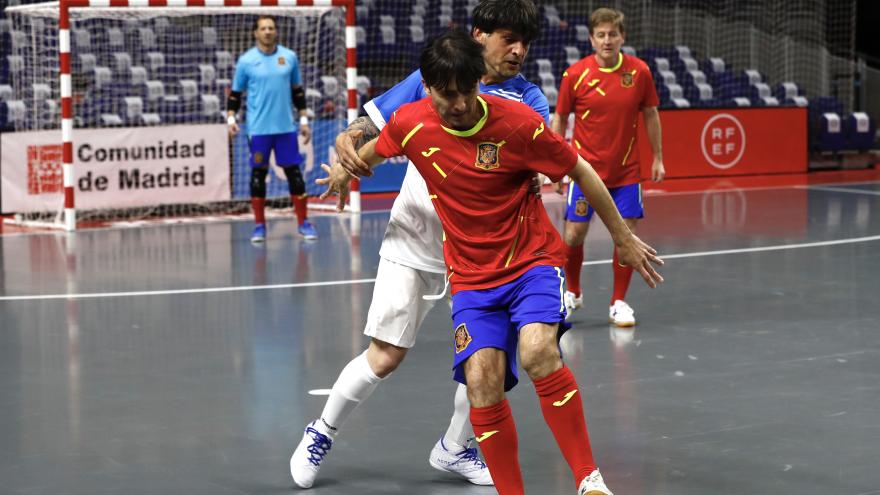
column 45, row 174
column 723, row 141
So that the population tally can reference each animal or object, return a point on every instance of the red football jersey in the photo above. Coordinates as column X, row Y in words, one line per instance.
column 606, row 105
column 494, row 228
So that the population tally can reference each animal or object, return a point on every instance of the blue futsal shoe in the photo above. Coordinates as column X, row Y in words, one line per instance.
column 308, row 231
column 308, row 456
column 259, row 233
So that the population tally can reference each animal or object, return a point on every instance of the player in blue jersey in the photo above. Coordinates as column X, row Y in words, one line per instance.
column 411, row 264
column 269, row 74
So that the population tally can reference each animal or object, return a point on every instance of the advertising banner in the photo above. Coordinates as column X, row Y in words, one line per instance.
column 116, row 168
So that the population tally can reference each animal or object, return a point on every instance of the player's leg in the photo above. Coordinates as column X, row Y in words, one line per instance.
column 629, row 202
column 260, row 147
column 577, row 224
column 537, row 312
column 395, row 315
column 288, row 157
column 485, row 359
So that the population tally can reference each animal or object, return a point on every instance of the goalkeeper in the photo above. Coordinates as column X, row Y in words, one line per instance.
column 269, row 74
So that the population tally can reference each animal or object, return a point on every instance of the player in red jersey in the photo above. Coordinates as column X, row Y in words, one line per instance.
column 477, row 154
column 606, row 91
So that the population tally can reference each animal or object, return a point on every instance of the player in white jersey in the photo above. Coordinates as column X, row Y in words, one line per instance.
column 411, row 264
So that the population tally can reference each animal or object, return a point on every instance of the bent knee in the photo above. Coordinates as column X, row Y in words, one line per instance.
column 384, row 358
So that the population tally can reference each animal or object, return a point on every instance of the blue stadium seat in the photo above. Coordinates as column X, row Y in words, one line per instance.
column 860, row 130
column 831, row 135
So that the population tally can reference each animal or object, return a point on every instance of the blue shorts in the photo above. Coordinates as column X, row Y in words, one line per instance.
column 286, row 148
column 628, row 200
column 493, row 317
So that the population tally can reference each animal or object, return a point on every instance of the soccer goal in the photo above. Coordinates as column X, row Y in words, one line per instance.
column 117, row 107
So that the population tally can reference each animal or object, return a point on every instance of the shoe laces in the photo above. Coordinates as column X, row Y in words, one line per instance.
column 470, row 455
column 321, row 444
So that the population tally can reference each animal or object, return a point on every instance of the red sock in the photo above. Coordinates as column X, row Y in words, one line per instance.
column 574, row 258
column 259, row 207
column 496, row 434
column 622, row 276
column 300, row 207
column 564, row 413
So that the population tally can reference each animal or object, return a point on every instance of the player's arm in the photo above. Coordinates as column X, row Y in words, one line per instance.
column 298, row 94
column 338, row 178
column 233, row 101
column 631, row 250
column 655, row 136
column 360, row 131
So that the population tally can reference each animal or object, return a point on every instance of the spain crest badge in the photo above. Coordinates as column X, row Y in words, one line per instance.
column 489, row 155
column 626, row 79
column 281, row 61
column 462, row 338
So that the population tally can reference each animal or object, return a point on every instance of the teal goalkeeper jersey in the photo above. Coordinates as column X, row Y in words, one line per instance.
column 267, row 80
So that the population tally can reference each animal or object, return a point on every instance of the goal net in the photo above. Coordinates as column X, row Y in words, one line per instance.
column 148, row 91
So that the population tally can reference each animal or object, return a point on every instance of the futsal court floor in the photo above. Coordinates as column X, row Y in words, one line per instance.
column 181, row 359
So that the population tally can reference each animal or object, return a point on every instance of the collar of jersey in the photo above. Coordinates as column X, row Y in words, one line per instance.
column 476, row 128
column 612, row 69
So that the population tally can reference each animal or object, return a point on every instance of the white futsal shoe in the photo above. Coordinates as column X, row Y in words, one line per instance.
column 308, row 456
column 465, row 463
column 572, row 303
column 593, row 485
column 621, row 314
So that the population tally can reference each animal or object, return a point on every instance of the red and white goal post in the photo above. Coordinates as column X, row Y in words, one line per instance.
column 155, row 37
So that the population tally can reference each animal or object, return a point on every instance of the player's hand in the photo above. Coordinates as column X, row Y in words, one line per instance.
column 233, row 129
column 306, row 132
column 347, row 156
column 635, row 253
column 658, row 171
column 558, row 188
column 337, row 182
column 536, row 184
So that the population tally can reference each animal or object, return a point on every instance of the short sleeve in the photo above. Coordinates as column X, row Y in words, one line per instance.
column 409, row 90
column 534, row 98
column 389, row 141
column 550, row 154
column 295, row 76
column 240, row 81
column 649, row 96
column 565, row 97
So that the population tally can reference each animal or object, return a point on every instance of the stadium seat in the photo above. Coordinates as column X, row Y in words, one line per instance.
column 151, row 119
column 15, row 112
column 103, row 77
column 155, row 63
column 122, row 62
column 134, row 107
column 155, row 90
column 417, row 20
column 5, row 92
column 768, row 101
column 572, row 55
column 798, row 101
column 551, row 93
column 740, row 101
column 582, row 33
column 753, row 76
column 759, row 91
column 207, row 74
column 666, row 76
column 115, row 38
column 330, row 86
column 87, row 63
column 683, row 52
column 786, row 90
column 224, row 63
column 860, row 131
column 147, row 38
column 416, row 34
column 138, row 75
column 209, row 37
column 5, row 26
column 680, row 103
column 629, row 51
column 171, row 109
column 111, row 120
column 831, row 135
column 211, row 106
column 189, row 89
column 363, row 85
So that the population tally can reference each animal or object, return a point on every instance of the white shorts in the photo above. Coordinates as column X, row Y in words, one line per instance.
column 398, row 309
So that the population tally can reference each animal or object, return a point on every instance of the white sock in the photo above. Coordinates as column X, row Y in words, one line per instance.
column 460, row 426
column 356, row 382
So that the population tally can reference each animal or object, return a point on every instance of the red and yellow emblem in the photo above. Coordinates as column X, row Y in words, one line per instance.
column 580, row 208
column 281, row 61
column 489, row 155
column 462, row 338
column 626, row 79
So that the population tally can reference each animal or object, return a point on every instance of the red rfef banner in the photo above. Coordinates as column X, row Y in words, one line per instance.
column 722, row 142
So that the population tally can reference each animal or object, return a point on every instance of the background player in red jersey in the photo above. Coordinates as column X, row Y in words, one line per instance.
column 606, row 91
column 477, row 155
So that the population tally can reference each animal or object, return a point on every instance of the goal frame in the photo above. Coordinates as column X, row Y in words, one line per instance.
column 66, row 85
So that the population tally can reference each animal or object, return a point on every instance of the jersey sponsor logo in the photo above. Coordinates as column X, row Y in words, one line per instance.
column 626, row 79
column 462, row 338
column 485, row 436
column 565, row 399
column 538, row 131
column 430, row 151
column 281, row 61
column 580, row 208
column 489, row 155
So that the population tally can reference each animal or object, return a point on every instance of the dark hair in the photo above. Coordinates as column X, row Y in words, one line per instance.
column 452, row 57
column 519, row 16
column 260, row 18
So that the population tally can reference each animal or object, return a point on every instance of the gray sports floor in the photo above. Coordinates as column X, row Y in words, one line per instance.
column 184, row 363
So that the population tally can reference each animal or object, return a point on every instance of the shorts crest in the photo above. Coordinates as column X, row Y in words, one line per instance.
column 462, row 338
column 580, row 208
column 258, row 158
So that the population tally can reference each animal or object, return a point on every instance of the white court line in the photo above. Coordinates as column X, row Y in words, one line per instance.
column 96, row 295
column 841, row 189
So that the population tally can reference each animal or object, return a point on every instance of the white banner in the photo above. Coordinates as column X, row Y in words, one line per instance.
column 116, row 168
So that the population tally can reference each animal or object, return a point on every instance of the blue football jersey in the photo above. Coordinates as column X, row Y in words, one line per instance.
column 267, row 80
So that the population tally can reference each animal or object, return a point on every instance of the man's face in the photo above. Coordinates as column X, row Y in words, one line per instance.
column 607, row 39
column 504, row 52
column 265, row 33
column 458, row 109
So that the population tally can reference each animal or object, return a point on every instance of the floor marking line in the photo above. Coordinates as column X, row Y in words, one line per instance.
column 243, row 288
column 841, row 189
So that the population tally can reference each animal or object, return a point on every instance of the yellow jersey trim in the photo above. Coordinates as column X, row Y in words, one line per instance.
column 476, row 128
column 411, row 134
column 583, row 75
column 617, row 66
column 437, row 168
column 585, row 114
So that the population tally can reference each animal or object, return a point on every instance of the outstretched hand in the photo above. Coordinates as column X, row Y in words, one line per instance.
column 347, row 155
column 337, row 182
column 635, row 253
